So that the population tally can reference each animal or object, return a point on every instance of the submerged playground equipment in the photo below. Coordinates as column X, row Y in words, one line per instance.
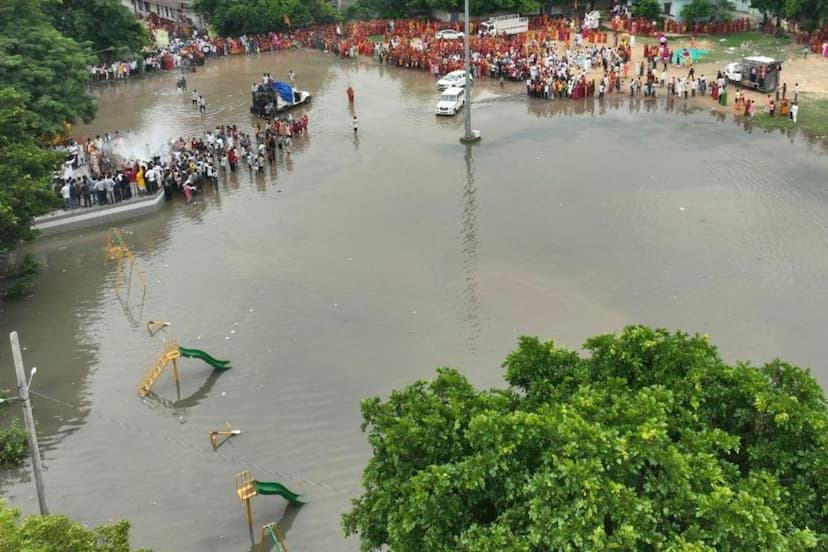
column 247, row 488
column 227, row 433
column 273, row 530
column 172, row 352
column 118, row 252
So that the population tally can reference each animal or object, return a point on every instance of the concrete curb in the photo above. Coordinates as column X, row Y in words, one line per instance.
column 60, row 222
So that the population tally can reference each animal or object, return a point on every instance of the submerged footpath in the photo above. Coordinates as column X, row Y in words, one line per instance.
column 59, row 222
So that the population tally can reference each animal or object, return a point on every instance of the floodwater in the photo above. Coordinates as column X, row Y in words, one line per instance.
column 360, row 265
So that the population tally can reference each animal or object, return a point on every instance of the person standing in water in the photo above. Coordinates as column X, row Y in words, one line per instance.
column 350, row 93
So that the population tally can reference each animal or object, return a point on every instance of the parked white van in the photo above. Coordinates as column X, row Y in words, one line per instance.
column 450, row 102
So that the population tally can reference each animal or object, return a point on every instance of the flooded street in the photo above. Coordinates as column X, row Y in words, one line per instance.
column 360, row 265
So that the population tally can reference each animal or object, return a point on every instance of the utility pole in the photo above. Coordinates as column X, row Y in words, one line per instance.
column 28, row 419
column 469, row 137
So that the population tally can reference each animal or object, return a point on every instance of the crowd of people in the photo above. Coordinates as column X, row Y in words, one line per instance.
column 100, row 172
column 556, row 59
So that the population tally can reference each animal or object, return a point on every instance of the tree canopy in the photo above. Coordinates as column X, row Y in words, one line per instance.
column 107, row 25
column 697, row 10
column 649, row 441
column 58, row 533
column 238, row 17
column 43, row 79
column 50, row 68
column 25, row 170
column 648, row 9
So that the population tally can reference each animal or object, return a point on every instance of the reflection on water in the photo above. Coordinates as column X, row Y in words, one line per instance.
column 180, row 407
column 470, row 244
column 339, row 274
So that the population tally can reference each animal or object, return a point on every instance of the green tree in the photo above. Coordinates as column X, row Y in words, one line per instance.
column 235, row 18
column 109, row 26
column 811, row 14
column 58, row 533
column 49, row 68
column 25, row 170
column 697, row 10
column 775, row 8
column 648, row 442
column 14, row 444
column 648, row 9
column 723, row 10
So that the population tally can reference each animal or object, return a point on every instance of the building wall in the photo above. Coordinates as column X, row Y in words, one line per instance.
column 742, row 6
column 168, row 9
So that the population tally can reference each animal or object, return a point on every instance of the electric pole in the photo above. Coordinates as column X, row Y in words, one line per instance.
column 28, row 419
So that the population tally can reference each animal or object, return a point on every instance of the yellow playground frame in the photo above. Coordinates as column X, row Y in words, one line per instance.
column 118, row 251
column 275, row 534
column 171, row 354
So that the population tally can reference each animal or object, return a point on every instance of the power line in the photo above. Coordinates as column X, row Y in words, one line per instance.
column 189, row 446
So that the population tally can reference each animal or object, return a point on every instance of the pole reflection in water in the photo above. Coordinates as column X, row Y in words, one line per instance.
column 471, row 316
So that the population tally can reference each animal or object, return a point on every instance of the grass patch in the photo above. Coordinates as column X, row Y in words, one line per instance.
column 735, row 46
column 760, row 40
column 376, row 38
column 812, row 117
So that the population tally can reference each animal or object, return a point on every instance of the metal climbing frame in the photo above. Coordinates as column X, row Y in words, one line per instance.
column 171, row 354
column 118, row 251
column 275, row 534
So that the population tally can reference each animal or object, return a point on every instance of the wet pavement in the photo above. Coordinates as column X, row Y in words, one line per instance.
column 362, row 264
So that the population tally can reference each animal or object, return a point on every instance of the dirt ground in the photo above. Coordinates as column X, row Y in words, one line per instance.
column 811, row 73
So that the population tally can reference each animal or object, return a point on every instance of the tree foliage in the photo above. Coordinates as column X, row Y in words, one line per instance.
column 648, row 9
column 775, row 8
column 36, row 59
column 25, row 170
column 810, row 14
column 648, row 442
column 235, row 18
column 14, row 444
column 697, row 10
column 58, row 533
column 108, row 25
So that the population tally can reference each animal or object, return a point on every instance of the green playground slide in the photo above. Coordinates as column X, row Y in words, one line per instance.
column 209, row 359
column 274, row 488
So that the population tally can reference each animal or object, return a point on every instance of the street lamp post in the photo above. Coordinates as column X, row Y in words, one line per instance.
column 469, row 137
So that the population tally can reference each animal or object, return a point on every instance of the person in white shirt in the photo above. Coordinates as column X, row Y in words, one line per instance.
column 794, row 111
column 66, row 194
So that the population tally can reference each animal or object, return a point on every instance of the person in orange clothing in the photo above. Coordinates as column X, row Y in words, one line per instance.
column 350, row 93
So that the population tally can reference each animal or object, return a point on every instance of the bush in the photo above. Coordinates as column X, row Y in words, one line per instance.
column 14, row 444
column 20, row 279
column 648, row 9
column 697, row 10
column 59, row 533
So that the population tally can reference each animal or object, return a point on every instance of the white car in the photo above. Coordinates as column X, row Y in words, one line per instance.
column 453, row 79
column 448, row 34
column 450, row 101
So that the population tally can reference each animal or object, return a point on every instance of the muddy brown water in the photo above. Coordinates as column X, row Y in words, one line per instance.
column 359, row 266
